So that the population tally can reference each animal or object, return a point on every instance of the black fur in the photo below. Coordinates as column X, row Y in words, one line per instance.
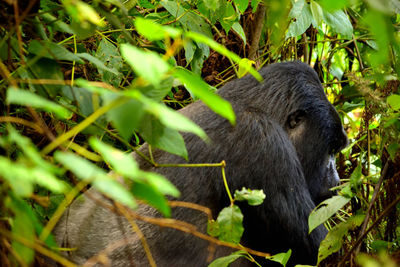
column 284, row 142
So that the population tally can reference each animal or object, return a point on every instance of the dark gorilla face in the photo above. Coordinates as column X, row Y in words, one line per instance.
column 318, row 135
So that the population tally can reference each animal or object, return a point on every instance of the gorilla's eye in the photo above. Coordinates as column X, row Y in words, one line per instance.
column 295, row 118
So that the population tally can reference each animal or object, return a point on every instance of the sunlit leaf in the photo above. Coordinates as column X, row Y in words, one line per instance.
column 227, row 260
column 282, row 258
column 334, row 239
column 230, row 221
column 253, row 197
column 394, row 101
column 146, row 64
column 202, row 90
column 86, row 170
column 325, row 210
column 27, row 98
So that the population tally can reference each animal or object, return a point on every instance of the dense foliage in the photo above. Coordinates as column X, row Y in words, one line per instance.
column 83, row 83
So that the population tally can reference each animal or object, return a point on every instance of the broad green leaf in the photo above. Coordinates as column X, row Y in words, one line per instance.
column 339, row 22
column 122, row 163
column 109, row 55
column 394, row 101
column 241, row 5
column 244, row 66
column 151, row 196
column 355, row 177
column 297, row 8
column 213, row 228
column 282, row 258
column 26, row 98
column 230, row 221
column 97, row 63
column 325, row 210
column 392, row 150
column 52, row 51
column 330, row 5
column 229, row 18
column 212, row 4
column 253, row 197
column 58, row 24
column 30, row 151
column 225, row 261
column 202, row 90
column 126, row 117
column 23, row 225
column 189, row 20
column 158, row 93
column 334, row 239
column 162, row 137
column 316, row 12
column 20, row 179
column 86, row 170
column 303, row 21
column 167, row 116
column 239, row 30
column 149, row 65
column 45, row 69
column 154, row 31
column 159, row 182
column 220, row 49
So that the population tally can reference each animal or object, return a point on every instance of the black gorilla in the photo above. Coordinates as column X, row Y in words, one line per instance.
column 286, row 136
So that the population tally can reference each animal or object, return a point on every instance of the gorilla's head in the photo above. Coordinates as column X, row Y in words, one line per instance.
column 316, row 131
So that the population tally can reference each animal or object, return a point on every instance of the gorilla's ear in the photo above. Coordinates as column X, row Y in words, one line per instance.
column 295, row 118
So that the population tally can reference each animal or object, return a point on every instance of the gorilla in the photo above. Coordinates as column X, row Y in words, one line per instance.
column 284, row 142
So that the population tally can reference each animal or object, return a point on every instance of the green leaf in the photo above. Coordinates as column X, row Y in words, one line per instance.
column 189, row 20
column 334, row 239
column 244, row 66
column 303, row 21
column 316, row 12
column 19, row 178
column 202, row 90
column 253, row 197
column 56, row 23
column 109, row 55
column 394, row 101
column 154, row 31
column 157, row 135
column 355, row 177
column 158, row 93
column 149, row 65
column 26, row 98
column 392, row 150
column 297, row 8
column 339, row 22
column 52, row 51
column 87, row 171
column 239, row 30
column 330, row 5
column 228, row 18
column 122, row 163
column 325, row 210
column 31, row 152
column 23, row 225
column 282, row 258
column 213, row 228
column 97, row 63
column 159, row 182
column 151, row 196
column 126, row 117
column 220, row 49
column 241, row 5
column 167, row 116
column 225, row 261
column 230, row 221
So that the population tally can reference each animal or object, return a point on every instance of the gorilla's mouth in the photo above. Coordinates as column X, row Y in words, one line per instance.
column 330, row 180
